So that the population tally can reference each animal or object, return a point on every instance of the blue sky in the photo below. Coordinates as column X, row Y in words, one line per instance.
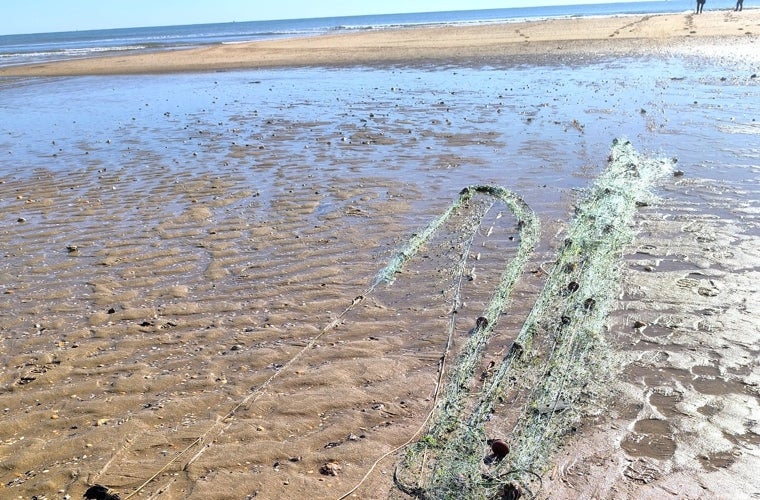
column 39, row 16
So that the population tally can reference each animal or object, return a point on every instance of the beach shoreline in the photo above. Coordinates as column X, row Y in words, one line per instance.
column 552, row 40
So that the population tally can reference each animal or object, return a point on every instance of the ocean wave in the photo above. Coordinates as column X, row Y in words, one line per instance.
column 72, row 51
column 20, row 58
column 423, row 24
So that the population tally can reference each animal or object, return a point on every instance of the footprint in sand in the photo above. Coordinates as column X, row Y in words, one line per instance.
column 687, row 283
column 665, row 400
column 650, row 438
column 642, row 471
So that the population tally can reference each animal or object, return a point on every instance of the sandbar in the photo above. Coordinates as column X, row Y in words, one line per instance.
column 480, row 44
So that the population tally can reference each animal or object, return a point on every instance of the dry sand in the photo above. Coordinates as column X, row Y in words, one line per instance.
column 144, row 305
column 483, row 44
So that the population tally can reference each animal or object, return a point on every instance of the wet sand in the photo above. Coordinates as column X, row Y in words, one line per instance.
column 183, row 253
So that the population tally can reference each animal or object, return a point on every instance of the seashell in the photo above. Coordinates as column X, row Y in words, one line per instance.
column 330, row 469
column 511, row 491
column 516, row 349
column 98, row 492
column 500, row 448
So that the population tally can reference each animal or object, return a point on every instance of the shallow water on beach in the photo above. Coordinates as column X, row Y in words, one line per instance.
column 442, row 128
column 170, row 241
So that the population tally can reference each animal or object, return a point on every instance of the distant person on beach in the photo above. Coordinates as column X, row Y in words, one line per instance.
column 739, row 4
column 700, row 6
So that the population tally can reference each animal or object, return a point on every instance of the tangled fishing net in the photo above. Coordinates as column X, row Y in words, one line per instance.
column 559, row 359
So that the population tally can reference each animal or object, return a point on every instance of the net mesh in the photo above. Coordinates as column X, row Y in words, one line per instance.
column 559, row 359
